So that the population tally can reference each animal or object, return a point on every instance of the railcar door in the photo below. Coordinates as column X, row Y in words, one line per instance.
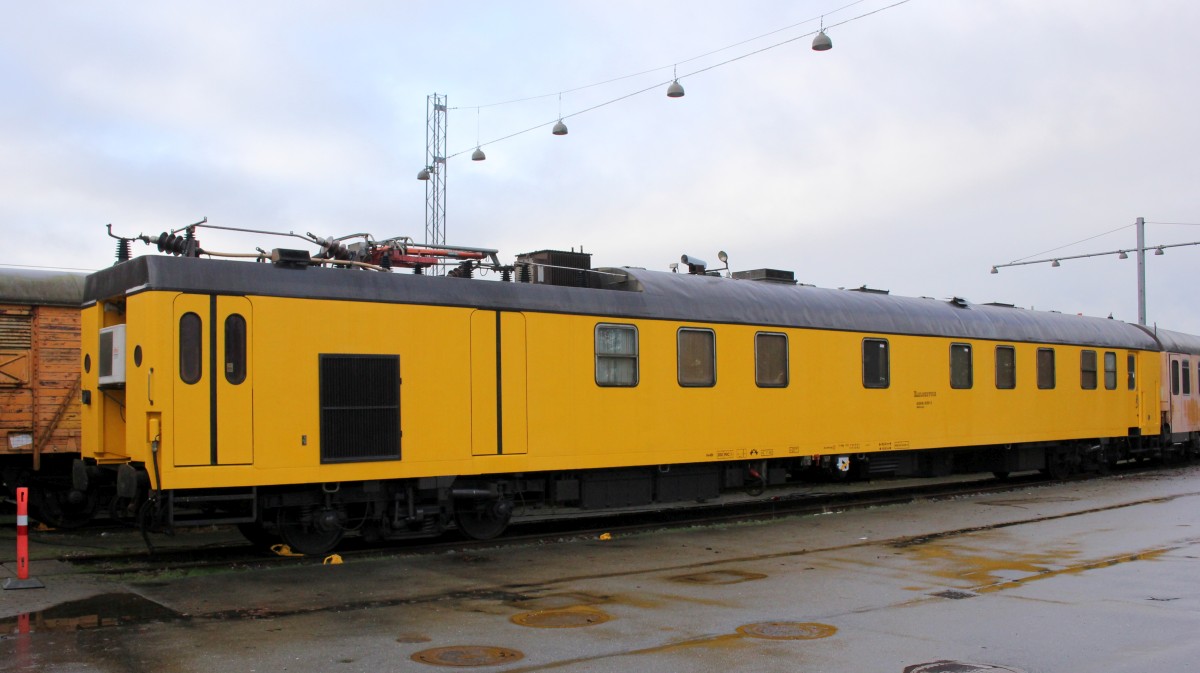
column 212, row 407
column 498, row 383
column 1180, row 389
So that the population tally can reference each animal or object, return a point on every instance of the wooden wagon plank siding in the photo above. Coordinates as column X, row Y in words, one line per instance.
column 56, row 371
column 16, row 410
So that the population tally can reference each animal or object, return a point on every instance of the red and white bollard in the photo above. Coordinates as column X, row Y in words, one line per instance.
column 22, row 580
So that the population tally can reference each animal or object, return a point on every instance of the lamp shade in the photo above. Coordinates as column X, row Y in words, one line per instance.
column 478, row 155
column 560, row 129
column 822, row 42
column 675, row 90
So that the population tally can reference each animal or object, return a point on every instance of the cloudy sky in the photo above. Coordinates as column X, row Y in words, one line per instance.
column 937, row 137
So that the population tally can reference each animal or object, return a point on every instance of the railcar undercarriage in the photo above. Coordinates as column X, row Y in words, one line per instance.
column 314, row 518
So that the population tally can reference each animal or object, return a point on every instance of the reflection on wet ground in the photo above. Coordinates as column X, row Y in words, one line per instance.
column 105, row 610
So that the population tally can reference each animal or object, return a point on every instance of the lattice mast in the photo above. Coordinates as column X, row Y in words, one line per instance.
column 435, row 160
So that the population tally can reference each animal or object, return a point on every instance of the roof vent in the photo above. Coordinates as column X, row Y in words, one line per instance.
column 869, row 290
column 768, row 275
column 285, row 258
column 959, row 302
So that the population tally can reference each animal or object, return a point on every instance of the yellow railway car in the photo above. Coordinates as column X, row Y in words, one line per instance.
column 303, row 403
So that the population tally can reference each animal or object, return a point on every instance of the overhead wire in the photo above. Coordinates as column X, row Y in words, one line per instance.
column 660, row 84
column 1046, row 252
column 661, row 67
column 1122, row 228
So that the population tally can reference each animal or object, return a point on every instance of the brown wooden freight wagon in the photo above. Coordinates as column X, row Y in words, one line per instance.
column 39, row 390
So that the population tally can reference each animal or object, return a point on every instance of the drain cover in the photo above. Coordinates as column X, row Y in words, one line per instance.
column 787, row 630
column 565, row 618
column 947, row 666
column 719, row 577
column 467, row 655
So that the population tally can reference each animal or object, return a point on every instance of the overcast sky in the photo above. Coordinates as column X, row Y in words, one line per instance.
column 937, row 137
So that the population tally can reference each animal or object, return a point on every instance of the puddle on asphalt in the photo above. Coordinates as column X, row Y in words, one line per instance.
column 97, row 612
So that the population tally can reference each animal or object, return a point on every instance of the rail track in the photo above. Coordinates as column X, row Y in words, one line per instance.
column 222, row 547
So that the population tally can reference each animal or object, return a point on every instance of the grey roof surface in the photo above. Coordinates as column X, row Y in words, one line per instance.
column 660, row 295
column 41, row 287
column 1176, row 342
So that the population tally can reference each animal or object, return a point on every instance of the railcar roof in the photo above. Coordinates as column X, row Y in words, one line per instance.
column 1176, row 342
column 41, row 287
column 647, row 295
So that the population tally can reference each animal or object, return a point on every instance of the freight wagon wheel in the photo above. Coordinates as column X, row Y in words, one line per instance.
column 307, row 536
column 60, row 508
column 483, row 520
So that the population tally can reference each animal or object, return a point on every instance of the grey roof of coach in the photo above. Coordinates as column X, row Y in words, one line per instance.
column 41, row 287
column 1176, row 342
column 658, row 295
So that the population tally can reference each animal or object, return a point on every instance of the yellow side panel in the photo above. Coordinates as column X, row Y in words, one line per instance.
column 235, row 404
column 191, row 398
column 483, row 383
column 513, row 376
column 91, row 416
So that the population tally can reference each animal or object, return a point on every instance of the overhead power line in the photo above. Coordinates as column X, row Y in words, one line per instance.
column 658, row 85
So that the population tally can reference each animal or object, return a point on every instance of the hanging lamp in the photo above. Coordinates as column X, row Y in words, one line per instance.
column 822, row 42
column 675, row 90
column 560, row 129
column 478, row 154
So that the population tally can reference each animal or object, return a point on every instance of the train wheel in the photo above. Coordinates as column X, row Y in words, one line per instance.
column 483, row 521
column 308, row 535
column 63, row 508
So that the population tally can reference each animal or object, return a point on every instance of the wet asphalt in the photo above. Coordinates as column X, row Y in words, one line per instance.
column 1095, row 575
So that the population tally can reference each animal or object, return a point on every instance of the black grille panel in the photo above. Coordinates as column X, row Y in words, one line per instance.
column 360, row 408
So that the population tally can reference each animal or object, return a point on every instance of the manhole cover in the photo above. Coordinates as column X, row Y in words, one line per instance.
column 787, row 630
column 947, row 666
column 565, row 618
column 467, row 655
column 719, row 577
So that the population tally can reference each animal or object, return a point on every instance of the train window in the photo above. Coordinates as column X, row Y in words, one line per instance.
column 1110, row 370
column 616, row 355
column 961, row 374
column 876, row 365
column 771, row 360
column 1006, row 367
column 1087, row 370
column 191, row 343
column 1174, row 377
column 1045, row 368
column 697, row 357
column 235, row 349
column 1187, row 377
column 1131, row 376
